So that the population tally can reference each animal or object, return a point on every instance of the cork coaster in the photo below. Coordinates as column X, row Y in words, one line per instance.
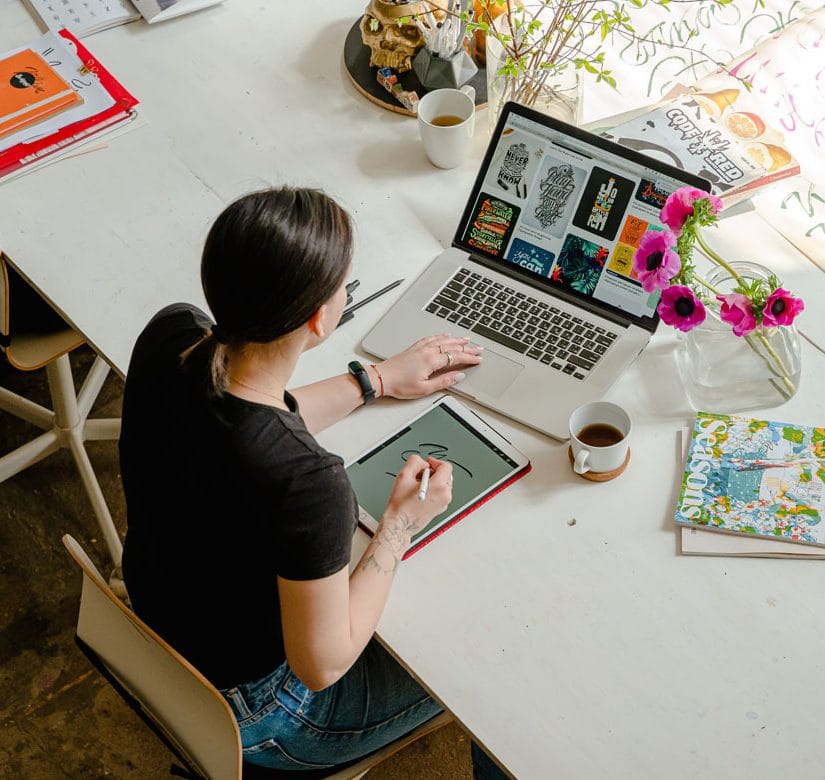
column 601, row 476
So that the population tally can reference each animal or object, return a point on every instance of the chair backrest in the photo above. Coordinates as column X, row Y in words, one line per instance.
column 181, row 702
column 5, row 316
column 35, row 334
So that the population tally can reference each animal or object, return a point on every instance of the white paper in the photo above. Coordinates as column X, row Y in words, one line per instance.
column 158, row 10
column 84, row 17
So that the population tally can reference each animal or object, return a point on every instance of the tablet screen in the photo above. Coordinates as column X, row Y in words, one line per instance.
column 478, row 464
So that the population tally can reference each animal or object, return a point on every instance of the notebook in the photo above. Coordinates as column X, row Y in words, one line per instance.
column 540, row 270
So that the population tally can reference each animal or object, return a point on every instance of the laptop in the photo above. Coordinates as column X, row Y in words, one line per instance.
column 540, row 270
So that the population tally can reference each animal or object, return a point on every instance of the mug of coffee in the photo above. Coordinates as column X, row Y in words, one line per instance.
column 446, row 120
column 599, row 440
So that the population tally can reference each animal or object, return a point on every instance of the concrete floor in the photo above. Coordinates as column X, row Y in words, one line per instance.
column 59, row 718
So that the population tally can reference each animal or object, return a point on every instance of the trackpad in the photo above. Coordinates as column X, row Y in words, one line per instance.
column 492, row 377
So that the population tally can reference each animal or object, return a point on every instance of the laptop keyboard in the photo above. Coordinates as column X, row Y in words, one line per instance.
column 515, row 320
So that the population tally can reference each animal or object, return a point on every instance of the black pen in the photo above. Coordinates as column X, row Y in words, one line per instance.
column 349, row 312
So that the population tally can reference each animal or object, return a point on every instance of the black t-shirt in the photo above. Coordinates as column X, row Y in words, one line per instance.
column 222, row 496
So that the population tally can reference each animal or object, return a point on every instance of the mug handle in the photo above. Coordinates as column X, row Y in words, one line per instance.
column 579, row 465
column 469, row 91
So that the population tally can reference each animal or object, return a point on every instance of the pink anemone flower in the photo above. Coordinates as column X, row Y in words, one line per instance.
column 781, row 308
column 654, row 261
column 679, row 206
column 681, row 308
column 736, row 310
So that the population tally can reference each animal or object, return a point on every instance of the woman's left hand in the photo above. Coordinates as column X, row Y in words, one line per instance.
column 431, row 364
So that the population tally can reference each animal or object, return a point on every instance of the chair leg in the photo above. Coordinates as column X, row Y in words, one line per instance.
column 92, row 386
column 98, row 429
column 26, row 410
column 28, row 454
column 72, row 425
column 61, row 385
column 101, row 510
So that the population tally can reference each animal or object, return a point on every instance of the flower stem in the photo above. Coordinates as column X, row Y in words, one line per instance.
column 716, row 258
column 783, row 372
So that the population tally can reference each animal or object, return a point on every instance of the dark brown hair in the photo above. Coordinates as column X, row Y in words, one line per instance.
column 271, row 259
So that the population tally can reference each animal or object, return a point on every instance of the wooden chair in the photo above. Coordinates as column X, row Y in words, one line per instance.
column 176, row 701
column 67, row 425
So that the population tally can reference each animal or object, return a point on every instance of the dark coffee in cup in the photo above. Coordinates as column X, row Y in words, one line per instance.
column 599, row 435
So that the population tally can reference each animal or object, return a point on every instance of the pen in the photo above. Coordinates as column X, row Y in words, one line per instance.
column 348, row 313
column 425, row 483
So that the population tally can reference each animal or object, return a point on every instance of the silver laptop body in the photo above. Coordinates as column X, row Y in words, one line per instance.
column 540, row 271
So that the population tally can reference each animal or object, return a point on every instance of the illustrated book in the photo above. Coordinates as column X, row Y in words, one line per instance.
column 758, row 479
column 30, row 91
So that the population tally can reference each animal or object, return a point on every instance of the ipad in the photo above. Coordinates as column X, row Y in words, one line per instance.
column 484, row 462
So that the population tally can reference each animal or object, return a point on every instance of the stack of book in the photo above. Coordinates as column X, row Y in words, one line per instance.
column 54, row 96
column 753, row 488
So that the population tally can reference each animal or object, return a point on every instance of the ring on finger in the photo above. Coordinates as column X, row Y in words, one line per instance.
column 449, row 358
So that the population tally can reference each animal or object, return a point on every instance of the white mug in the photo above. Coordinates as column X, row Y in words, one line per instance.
column 447, row 145
column 599, row 437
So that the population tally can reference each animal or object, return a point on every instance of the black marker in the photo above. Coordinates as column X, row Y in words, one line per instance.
column 349, row 312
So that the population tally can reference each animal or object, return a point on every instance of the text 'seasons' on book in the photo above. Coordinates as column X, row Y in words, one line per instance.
column 755, row 478
column 30, row 91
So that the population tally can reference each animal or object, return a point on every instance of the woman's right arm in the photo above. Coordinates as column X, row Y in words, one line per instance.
column 327, row 622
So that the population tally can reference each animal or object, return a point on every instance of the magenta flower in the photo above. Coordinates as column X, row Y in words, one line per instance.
column 679, row 206
column 781, row 308
column 654, row 261
column 681, row 308
column 737, row 311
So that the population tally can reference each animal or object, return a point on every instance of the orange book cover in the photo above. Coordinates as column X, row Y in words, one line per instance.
column 30, row 90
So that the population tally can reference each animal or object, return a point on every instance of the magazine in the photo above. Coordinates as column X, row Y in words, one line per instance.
column 759, row 478
column 707, row 131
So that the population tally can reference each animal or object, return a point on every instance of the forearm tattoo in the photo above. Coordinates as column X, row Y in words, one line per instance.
column 389, row 544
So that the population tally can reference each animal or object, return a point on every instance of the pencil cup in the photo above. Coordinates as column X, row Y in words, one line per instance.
column 446, row 120
column 599, row 440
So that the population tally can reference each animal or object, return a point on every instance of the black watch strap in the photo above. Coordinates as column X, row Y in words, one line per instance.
column 363, row 379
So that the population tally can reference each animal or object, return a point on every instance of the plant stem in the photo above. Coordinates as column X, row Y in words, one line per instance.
column 715, row 257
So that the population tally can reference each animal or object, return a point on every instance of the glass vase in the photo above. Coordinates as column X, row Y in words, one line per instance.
column 553, row 91
column 725, row 373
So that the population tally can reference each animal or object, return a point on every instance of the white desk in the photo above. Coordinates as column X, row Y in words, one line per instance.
column 571, row 651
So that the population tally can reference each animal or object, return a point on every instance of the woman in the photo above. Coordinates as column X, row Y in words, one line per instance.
column 239, row 523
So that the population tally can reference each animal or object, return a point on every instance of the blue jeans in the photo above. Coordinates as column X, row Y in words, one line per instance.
column 284, row 725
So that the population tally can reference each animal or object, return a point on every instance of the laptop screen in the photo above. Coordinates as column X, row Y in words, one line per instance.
column 561, row 206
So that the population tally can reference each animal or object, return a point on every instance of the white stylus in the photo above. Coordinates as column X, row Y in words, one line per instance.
column 425, row 481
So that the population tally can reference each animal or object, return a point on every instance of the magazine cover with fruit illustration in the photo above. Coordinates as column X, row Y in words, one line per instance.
column 716, row 131
column 755, row 477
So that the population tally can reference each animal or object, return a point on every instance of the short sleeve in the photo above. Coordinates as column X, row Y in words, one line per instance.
column 319, row 516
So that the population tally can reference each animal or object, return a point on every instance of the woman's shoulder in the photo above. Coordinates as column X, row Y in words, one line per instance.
column 175, row 318
column 172, row 329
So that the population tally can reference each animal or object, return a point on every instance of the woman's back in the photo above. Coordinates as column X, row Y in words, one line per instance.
column 223, row 495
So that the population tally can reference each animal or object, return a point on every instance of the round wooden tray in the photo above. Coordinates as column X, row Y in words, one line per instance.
column 357, row 62
column 601, row 476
